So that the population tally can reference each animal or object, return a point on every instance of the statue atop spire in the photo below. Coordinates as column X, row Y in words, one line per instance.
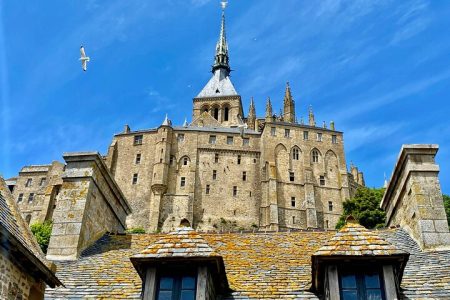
column 289, row 106
column 312, row 122
column 251, row 119
column 269, row 113
column 221, row 58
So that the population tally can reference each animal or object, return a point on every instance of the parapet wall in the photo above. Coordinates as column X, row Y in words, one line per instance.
column 413, row 198
column 89, row 204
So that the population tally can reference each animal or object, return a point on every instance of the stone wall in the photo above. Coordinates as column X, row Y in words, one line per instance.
column 413, row 198
column 89, row 204
column 16, row 283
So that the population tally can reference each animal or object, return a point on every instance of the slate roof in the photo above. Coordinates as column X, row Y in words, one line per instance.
column 218, row 85
column 273, row 265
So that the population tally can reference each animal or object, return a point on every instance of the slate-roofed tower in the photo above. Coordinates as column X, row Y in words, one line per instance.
column 218, row 98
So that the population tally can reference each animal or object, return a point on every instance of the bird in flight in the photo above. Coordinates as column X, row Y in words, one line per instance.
column 84, row 59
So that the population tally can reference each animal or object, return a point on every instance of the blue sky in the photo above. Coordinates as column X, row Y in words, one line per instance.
column 379, row 69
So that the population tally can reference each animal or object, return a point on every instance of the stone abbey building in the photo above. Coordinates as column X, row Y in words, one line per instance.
column 225, row 170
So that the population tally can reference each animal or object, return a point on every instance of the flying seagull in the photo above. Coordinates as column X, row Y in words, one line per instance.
column 84, row 59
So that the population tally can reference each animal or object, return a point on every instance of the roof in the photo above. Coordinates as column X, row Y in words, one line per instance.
column 35, row 168
column 18, row 240
column 271, row 265
column 219, row 85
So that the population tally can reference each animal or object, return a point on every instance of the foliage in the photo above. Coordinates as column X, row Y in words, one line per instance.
column 137, row 230
column 447, row 207
column 364, row 207
column 42, row 232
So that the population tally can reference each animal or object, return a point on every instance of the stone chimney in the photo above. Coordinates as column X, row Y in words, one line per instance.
column 413, row 197
column 88, row 205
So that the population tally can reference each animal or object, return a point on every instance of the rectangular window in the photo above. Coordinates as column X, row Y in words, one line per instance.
column 42, row 182
column 216, row 158
column 31, row 198
column 330, row 206
column 305, row 135
column 178, row 287
column 244, row 176
column 291, row 176
column 322, row 180
column 212, row 139
column 334, row 139
column 234, row 191
column 183, row 181
column 138, row 139
column 138, row 159
column 229, row 140
column 180, row 137
column 207, row 189
column 319, row 137
column 135, row 178
column 245, row 141
column 361, row 284
column 273, row 131
column 239, row 160
column 29, row 182
column 20, row 198
column 214, row 174
column 287, row 133
column 293, row 219
column 293, row 201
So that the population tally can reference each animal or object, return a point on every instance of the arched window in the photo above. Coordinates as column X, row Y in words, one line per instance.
column 216, row 113
column 295, row 154
column 225, row 114
column 315, row 156
column 205, row 109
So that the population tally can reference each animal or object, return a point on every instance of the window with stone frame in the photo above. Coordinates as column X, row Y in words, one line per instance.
column 135, row 178
column 319, row 136
column 180, row 137
column 216, row 158
column 322, row 180
column 42, row 182
column 330, row 205
column 235, row 190
column 29, row 182
column 334, row 139
column 245, row 141
column 185, row 161
column 138, row 139
column 183, row 182
column 208, row 189
column 291, row 176
column 20, row 198
column 214, row 174
column 305, row 135
column 31, row 198
column 287, row 133
column 238, row 159
column 229, row 140
column 212, row 139
column 273, row 131
column 315, row 156
column 293, row 201
column 137, row 161
column 244, row 176
column 295, row 153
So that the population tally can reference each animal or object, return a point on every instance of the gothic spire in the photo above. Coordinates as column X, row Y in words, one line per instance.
column 312, row 122
column 251, row 119
column 221, row 57
column 269, row 113
column 289, row 105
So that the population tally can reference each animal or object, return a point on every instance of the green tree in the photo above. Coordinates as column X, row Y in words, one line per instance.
column 447, row 207
column 364, row 207
column 42, row 232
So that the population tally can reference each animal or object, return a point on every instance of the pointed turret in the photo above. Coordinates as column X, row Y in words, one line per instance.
column 312, row 122
column 221, row 58
column 166, row 122
column 251, row 119
column 185, row 124
column 289, row 106
column 269, row 113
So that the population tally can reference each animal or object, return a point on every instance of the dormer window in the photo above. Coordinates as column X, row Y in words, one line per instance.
column 177, row 287
column 360, row 284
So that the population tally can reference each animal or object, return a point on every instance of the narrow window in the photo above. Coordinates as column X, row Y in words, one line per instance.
column 305, row 135
column 138, row 159
column 327, row 224
column 183, row 181
column 28, row 219
column 31, row 198
column 172, row 160
column 42, row 182
column 216, row 113
column 245, row 141
column 293, row 201
column 291, row 176
column 295, row 154
column 225, row 114
column 334, row 139
column 330, row 206
column 293, row 219
column 180, row 137
column 214, row 174
column 319, row 137
column 229, row 140
column 254, row 160
column 135, row 178
column 244, row 176
column 185, row 161
column 250, row 193
column 212, row 139
column 234, row 191
column 207, row 189
column 20, row 198
column 216, row 158
column 273, row 131
column 138, row 139
column 322, row 180
column 239, row 160
column 29, row 182
column 287, row 133
column 315, row 156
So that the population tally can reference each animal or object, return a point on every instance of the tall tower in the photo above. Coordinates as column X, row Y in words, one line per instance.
column 218, row 97
column 251, row 119
column 289, row 106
